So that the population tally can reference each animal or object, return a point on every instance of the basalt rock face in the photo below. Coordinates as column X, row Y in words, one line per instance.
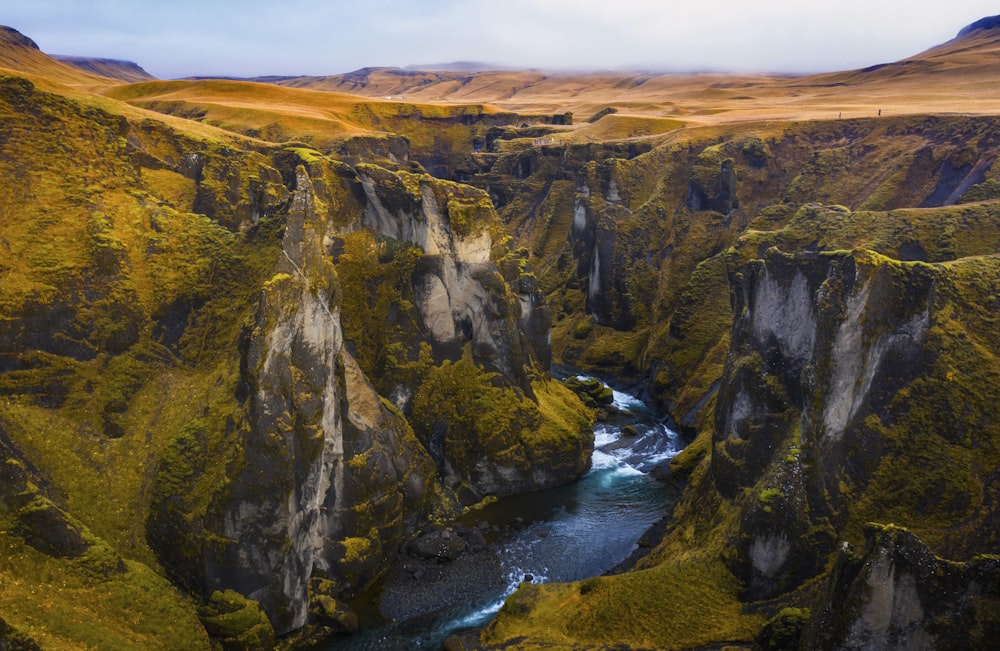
column 895, row 594
column 460, row 294
column 822, row 410
column 330, row 477
column 711, row 189
column 819, row 343
column 594, row 247
column 457, row 292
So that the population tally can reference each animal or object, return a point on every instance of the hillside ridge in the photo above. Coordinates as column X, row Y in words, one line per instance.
column 989, row 22
column 10, row 36
column 127, row 71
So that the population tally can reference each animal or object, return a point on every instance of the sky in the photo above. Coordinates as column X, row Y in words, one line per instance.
column 179, row 38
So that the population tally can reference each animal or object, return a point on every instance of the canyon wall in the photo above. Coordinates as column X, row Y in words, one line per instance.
column 270, row 351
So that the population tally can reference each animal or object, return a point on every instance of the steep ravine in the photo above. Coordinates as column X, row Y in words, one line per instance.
column 332, row 479
column 572, row 532
column 236, row 376
column 839, row 406
column 218, row 327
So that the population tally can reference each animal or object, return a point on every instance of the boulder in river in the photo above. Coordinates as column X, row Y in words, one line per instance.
column 438, row 545
column 593, row 392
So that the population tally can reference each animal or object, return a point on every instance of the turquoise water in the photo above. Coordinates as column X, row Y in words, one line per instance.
column 563, row 534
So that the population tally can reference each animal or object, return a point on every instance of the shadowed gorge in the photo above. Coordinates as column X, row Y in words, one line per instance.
column 272, row 351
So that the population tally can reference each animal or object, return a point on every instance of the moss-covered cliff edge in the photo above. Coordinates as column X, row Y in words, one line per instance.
column 201, row 335
column 856, row 389
column 240, row 365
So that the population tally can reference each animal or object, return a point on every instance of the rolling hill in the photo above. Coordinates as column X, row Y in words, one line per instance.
column 256, row 335
column 929, row 82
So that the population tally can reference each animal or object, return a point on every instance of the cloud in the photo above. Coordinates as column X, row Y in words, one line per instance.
column 187, row 37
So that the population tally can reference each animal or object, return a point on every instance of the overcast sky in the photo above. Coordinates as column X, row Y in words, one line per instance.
column 176, row 38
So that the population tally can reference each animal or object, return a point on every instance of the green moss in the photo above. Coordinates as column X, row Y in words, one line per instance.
column 565, row 424
column 769, row 495
column 469, row 214
column 378, row 313
column 306, row 154
column 277, row 279
column 583, row 328
column 699, row 596
column 237, row 622
column 64, row 604
column 480, row 418
column 685, row 462
column 784, row 630
column 487, row 420
column 356, row 549
column 931, row 235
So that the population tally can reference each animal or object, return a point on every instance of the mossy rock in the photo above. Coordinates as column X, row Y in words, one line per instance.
column 236, row 622
column 50, row 530
column 593, row 392
column 334, row 614
column 12, row 639
column 784, row 630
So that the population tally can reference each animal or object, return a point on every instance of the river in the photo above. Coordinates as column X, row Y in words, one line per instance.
column 564, row 534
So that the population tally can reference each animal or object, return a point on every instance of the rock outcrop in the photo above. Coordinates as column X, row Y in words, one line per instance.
column 990, row 22
column 459, row 292
column 330, row 478
column 713, row 189
column 820, row 342
column 895, row 594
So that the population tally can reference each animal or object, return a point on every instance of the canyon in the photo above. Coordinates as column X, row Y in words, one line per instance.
column 258, row 336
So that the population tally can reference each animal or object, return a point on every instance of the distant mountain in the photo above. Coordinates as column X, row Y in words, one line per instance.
column 21, row 54
column 990, row 22
column 126, row 71
column 459, row 66
column 10, row 36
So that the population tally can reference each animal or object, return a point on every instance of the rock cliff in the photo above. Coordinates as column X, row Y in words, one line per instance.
column 821, row 342
column 893, row 593
column 330, row 478
column 218, row 326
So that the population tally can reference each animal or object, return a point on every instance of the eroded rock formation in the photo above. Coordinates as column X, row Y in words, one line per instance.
column 330, row 478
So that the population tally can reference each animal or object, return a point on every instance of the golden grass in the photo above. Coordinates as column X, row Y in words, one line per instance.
column 61, row 604
column 956, row 77
column 20, row 60
column 699, row 596
column 278, row 114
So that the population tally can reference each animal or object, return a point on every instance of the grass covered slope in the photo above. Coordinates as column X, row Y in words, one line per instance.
column 440, row 137
column 137, row 248
column 20, row 55
column 111, row 296
column 141, row 228
column 886, row 416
